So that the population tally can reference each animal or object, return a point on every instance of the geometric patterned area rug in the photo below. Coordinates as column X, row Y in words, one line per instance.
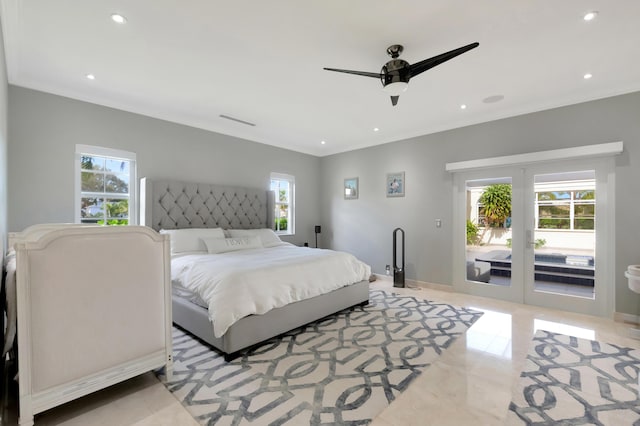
column 341, row 370
column 573, row 381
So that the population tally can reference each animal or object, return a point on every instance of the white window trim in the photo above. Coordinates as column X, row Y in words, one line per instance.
column 572, row 202
column 114, row 154
column 291, row 225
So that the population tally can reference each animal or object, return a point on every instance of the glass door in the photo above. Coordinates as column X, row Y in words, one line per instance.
column 565, row 249
column 489, row 208
column 537, row 234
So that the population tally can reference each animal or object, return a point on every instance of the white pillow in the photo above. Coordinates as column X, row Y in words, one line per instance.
column 189, row 240
column 268, row 237
column 223, row 245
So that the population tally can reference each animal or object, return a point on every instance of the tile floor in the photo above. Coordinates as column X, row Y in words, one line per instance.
column 470, row 384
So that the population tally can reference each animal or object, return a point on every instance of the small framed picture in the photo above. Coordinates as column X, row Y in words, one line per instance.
column 395, row 184
column 351, row 188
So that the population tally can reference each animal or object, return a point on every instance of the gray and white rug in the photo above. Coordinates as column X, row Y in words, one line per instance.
column 342, row 370
column 573, row 381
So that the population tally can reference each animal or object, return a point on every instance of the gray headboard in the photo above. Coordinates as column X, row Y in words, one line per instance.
column 166, row 204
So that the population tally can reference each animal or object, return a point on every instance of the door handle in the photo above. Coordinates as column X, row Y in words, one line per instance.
column 530, row 242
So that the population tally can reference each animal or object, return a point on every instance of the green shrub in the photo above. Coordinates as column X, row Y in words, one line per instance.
column 496, row 200
column 281, row 224
column 113, row 222
column 472, row 232
column 538, row 243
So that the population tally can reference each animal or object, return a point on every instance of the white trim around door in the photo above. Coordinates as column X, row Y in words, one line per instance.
column 520, row 286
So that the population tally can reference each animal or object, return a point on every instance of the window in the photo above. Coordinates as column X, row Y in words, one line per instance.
column 481, row 215
column 573, row 210
column 105, row 186
column 284, row 188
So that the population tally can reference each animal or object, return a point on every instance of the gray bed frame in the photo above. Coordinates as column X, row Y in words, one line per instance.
column 176, row 205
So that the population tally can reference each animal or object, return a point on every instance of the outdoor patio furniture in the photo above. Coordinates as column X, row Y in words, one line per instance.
column 478, row 271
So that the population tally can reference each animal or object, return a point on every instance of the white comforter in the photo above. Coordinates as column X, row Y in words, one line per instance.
column 254, row 281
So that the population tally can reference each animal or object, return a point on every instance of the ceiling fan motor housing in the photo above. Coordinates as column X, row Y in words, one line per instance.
column 395, row 71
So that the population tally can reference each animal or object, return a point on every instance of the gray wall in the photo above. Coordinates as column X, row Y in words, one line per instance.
column 3, row 147
column 364, row 226
column 45, row 129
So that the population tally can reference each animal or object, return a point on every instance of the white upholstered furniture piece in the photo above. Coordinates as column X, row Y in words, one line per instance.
column 177, row 205
column 93, row 308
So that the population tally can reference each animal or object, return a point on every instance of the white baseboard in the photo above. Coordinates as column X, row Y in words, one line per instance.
column 381, row 277
column 417, row 284
column 626, row 318
column 431, row 286
column 633, row 321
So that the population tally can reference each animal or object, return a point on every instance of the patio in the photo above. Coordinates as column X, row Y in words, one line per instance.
column 570, row 272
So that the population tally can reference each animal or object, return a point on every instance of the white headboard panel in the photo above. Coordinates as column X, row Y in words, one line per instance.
column 168, row 204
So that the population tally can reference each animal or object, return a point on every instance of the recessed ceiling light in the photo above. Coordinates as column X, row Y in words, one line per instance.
column 375, row 129
column 463, row 106
column 323, row 142
column 116, row 17
column 91, row 76
column 587, row 76
column 590, row 16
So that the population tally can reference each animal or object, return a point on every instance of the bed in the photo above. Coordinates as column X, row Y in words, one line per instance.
column 173, row 205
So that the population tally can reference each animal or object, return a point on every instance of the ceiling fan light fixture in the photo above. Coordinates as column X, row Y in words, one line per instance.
column 396, row 73
column 396, row 88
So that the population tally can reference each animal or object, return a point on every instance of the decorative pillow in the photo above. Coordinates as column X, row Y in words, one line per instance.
column 268, row 237
column 223, row 245
column 190, row 240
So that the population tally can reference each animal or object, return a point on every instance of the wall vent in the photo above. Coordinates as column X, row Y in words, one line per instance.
column 237, row 120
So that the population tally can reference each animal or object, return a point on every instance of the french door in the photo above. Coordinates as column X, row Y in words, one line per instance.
column 539, row 234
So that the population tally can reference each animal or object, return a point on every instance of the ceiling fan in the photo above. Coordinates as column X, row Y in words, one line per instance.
column 396, row 73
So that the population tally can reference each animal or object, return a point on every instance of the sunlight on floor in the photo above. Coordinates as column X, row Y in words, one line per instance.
column 569, row 330
column 491, row 333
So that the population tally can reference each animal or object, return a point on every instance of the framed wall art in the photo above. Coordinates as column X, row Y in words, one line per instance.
column 351, row 188
column 395, row 184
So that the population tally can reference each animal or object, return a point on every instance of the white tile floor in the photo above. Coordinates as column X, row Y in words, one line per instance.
column 470, row 384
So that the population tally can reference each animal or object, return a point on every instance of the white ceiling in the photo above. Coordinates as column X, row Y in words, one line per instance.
column 261, row 61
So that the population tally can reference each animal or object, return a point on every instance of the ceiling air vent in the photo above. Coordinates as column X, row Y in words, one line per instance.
column 237, row 120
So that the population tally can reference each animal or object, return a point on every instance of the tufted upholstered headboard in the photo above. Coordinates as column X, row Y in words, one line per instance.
column 166, row 204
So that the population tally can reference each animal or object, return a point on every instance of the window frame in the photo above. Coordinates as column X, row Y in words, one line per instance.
column 480, row 216
column 571, row 203
column 113, row 154
column 291, row 222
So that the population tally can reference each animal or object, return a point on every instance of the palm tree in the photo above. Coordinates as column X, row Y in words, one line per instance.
column 496, row 200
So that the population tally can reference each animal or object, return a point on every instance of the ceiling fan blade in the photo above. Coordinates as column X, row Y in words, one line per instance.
column 394, row 100
column 422, row 66
column 364, row 73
